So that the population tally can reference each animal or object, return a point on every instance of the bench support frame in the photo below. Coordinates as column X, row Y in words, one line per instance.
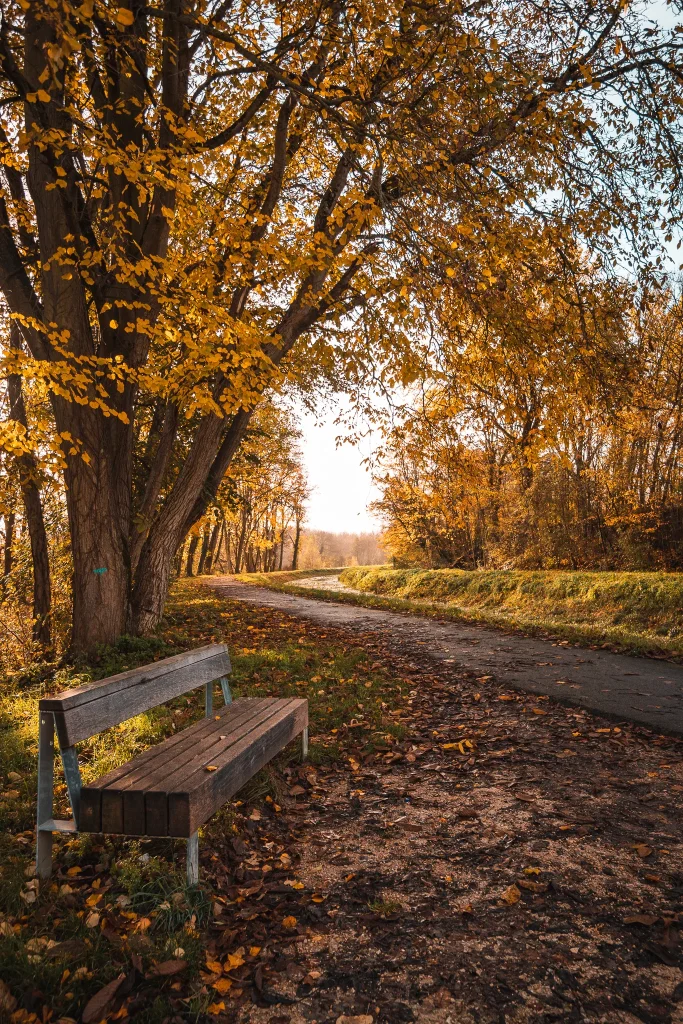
column 46, row 824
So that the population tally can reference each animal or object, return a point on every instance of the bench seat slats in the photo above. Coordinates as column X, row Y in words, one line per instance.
column 204, row 792
column 102, row 802
column 166, row 789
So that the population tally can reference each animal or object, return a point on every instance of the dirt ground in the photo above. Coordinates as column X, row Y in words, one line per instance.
column 510, row 859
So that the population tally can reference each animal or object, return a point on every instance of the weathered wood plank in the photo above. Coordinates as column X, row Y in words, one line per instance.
column 206, row 755
column 158, row 761
column 156, row 796
column 207, row 791
column 138, row 818
column 68, row 699
column 106, row 708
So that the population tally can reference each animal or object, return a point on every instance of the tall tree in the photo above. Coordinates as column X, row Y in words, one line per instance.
column 203, row 200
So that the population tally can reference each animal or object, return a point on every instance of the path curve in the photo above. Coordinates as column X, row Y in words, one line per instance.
column 642, row 690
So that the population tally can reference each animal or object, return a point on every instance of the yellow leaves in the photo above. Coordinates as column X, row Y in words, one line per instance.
column 124, row 17
column 41, row 96
column 234, row 961
column 222, row 986
column 214, row 966
column 211, row 768
column 464, row 746
column 289, row 923
column 215, row 1008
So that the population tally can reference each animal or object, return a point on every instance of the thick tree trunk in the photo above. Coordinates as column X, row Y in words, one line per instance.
column 197, row 484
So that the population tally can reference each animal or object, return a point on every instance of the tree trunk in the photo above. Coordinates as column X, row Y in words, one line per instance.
column 206, row 537
column 28, row 478
column 194, row 541
column 8, row 558
column 295, row 548
column 208, row 563
column 197, row 483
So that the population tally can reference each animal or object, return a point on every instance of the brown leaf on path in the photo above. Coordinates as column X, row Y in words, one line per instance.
column 645, row 919
column 95, row 1008
column 528, row 797
column 642, row 850
column 167, row 968
column 523, row 883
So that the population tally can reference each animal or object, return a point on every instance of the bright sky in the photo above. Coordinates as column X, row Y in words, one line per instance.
column 342, row 486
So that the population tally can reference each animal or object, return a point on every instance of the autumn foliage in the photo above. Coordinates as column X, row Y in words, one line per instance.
column 204, row 202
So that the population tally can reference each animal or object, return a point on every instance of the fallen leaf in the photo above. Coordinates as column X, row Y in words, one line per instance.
column 644, row 919
column 92, row 920
column 234, row 961
column 167, row 968
column 222, row 985
column 214, row 966
column 532, row 886
column 289, row 923
column 512, row 895
column 7, row 1001
column 211, row 768
column 95, row 1008
column 215, row 1008
column 528, row 797
column 642, row 850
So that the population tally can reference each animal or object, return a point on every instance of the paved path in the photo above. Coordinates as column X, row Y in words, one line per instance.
column 642, row 690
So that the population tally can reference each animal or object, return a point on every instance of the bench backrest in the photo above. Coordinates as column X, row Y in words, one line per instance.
column 90, row 709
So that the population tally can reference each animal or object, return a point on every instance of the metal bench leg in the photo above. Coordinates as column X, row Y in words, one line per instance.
column 225, row 687
column 193, row 859
column 208, row 704
column 304, row 744
column 46, row 768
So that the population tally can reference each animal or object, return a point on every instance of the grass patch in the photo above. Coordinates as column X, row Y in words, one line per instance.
column 145, row 909
column 634, row 612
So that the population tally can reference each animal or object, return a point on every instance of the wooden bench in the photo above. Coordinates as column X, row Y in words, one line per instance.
column 175, row 786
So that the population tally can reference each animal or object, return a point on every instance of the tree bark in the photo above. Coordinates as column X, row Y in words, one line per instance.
column 200, row 476
column 206, row 540
column 295, row 548
column 208, row 562
column 189, row 564
column 8, row 554
column 28, row 479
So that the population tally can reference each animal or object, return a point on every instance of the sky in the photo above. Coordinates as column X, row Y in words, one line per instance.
column 342, row 486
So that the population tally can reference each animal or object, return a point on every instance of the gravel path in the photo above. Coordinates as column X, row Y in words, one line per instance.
column 642, row 690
